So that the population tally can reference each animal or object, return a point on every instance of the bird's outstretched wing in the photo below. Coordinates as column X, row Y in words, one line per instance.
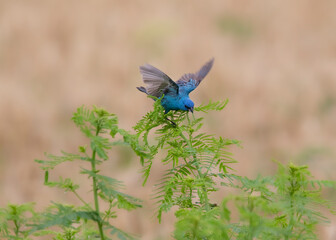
column 197, row 77
column 157, row 82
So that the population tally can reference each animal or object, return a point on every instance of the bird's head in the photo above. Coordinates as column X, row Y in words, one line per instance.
column 188, row 105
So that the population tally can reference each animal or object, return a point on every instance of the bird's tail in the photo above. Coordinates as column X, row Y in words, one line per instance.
column 142, row 89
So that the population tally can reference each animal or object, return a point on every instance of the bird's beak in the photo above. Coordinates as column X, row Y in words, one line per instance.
column 191, row 109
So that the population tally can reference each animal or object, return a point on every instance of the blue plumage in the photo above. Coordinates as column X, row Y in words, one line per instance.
column 176, row 94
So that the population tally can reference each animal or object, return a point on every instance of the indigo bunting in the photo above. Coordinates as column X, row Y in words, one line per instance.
column 176, row 94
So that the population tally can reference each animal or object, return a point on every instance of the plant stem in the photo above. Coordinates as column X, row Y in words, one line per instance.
column 108, row 211
column 14, row 212
column 81, row 199
column 205, row 193
column 95, row 189
column 17, row 228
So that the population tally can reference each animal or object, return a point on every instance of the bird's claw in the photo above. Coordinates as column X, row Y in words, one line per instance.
column 172, row 123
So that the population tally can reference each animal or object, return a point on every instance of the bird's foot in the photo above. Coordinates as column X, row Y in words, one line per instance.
column 172, row 123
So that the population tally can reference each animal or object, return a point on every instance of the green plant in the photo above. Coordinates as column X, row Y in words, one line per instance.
column 15, row 219
column 284, row 206
column 195, row 159
column 98, row 126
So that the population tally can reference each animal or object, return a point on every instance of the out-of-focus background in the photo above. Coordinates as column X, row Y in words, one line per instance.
column 274, row 60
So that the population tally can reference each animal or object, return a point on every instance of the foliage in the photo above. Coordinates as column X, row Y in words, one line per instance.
column 15, row 219
column 98, row 126
column 286, row 205
column 195, row 159
column 283, row 206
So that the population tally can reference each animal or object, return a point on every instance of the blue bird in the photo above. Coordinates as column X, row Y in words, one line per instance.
column 176, row 94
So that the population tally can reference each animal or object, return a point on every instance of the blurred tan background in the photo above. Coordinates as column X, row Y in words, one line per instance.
column 274, row 60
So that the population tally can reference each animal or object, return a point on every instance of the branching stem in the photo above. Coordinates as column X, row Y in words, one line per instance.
column 95, row 189
column 17, row 228
column 200, row 174
column 81, row 199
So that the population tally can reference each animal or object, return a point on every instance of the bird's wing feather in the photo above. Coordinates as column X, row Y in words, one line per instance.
column 157, row 82
column 198, row 76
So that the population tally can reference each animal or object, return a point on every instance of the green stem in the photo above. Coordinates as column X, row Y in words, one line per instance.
column 251, row 222
column 188, row 164
column 205, row 193
column 17, row 228
column 95, row 189
column 81, row 199
column 108, row 211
